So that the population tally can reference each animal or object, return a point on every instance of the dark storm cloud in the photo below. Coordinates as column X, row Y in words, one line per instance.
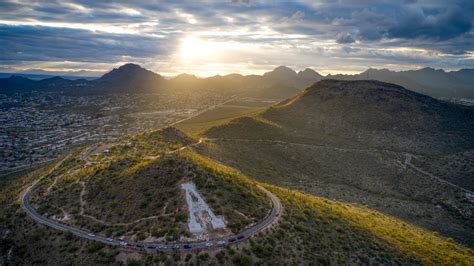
column 345, row 38
column 33, row 43
column 442, row 26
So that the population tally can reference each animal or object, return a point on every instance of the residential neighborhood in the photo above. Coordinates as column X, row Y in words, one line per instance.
column 37, row 127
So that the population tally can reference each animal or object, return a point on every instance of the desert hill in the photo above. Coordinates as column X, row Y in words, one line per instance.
column 129, row 78
column 369, row 142
column 138, row 178
column 372, row 113
column 131, row 189
column 432, row 82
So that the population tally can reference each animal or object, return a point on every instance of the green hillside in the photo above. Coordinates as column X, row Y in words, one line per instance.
column 133, row 190
column 312, row 229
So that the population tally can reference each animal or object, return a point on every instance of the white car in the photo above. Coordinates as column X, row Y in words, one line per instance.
column 123, row 243
column 221, row 242
column 209, row 244
column 109, row 239
column 91, row 234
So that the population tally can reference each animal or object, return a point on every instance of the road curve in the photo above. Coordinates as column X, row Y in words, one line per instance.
column 270, row 219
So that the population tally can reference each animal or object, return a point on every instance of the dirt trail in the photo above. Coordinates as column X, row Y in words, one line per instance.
column 408, row 157
column 56, row 178
column 297, row 144
column 48, row 190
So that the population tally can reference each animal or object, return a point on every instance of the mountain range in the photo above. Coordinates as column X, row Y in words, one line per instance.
column 280, row 83
column 429, row 81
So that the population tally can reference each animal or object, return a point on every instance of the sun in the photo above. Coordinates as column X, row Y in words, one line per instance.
column 195, row 48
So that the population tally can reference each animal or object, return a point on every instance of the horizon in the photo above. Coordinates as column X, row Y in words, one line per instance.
column 72, row 75
column 82, row 38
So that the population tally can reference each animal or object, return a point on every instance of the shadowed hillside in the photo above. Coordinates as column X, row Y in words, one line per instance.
column 368, row 142
column 373, row 113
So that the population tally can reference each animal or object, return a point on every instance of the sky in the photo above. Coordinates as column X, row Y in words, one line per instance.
column 206, row 38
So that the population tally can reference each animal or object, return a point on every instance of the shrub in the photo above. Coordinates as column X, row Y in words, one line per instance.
column 242, row 260
column 133, row 262
column 95, row 246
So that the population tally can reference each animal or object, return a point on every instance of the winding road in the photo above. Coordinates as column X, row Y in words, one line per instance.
column 270, row 219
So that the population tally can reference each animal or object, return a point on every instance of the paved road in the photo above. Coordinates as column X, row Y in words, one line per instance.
column 157, row 246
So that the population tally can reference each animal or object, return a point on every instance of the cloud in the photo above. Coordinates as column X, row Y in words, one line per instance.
column 37, row 43
column 241, row 1
column 149, row 32
column 345, row 38
column 440, row 26
column 412, row 22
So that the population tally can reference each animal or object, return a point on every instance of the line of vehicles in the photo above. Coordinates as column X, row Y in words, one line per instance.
column 164, row 247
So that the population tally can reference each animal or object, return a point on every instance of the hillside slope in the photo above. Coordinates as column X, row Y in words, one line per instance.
column 376, row 114
column 312, row 229
column 432, row 82
column 368, row 142
column 131, row 190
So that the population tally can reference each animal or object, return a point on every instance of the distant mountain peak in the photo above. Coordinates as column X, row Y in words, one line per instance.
column 430, row 70
column 54, row 78
column 308, row 70
column 130, row 66
column 185, row 76
column 130, row 76
column 16, row 77
column 128, row 70
column 282, row 70
column 309, row 73
column 377, row 70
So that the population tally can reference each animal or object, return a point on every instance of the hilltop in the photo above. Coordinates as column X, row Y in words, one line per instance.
column 378, row 114
column 130, row 78
column 429, row 81
column 400, row 152
column 369, row 113
column 131, row 190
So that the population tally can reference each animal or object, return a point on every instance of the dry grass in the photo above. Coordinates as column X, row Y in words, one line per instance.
column 215, row 117
column 415, row 242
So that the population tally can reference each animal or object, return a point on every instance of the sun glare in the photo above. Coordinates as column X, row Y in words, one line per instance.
column 206, row 56
column 195, row 48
